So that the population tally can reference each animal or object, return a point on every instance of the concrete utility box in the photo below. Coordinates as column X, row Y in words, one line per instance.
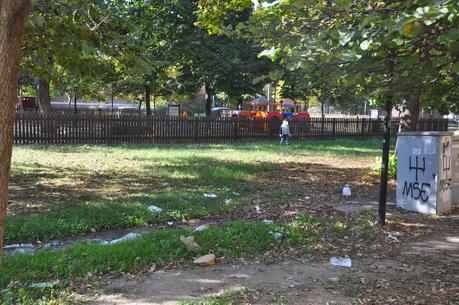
column 424, row 172
column 455, row 169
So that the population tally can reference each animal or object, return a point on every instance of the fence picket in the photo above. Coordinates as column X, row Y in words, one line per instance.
column 118, row 129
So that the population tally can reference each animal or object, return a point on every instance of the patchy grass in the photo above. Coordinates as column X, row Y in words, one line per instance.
column 39, row 296
column 61, row 191
column 228, row 297
column 230, row 240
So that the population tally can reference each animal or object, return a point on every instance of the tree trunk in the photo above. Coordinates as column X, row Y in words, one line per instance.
column 43, row 96
column 13, row 15
column 209, row 102
column 75, row 99
column 411, row 110
column 147, row 100
column 239, row 103
column 322, row 110
column 69, row 100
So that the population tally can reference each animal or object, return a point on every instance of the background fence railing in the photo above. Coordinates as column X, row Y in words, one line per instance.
column 111, row 129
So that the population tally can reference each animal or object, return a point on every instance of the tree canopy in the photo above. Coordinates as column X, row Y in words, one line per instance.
column 409, row 48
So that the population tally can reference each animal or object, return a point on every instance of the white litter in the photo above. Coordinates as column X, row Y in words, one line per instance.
column 343, row 262
column 201, row 228
column 306, row 198
column 210, row 195
column 170, row 223
column 392, row 237
column 228, row 201
column 20, row 248
column 276, row 235
column 268, row 221
column 155, row 209
column 258, row 209
column 45, row 284
column 346, row 190
column 236, row 194
column 128, row 236
column 372, row 223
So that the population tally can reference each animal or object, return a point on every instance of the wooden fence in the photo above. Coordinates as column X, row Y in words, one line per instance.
column 110, row 129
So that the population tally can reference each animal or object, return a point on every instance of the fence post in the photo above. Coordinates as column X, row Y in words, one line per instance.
column 322, row 127
column 334, row 128
column 196, row 130
column 362, row 128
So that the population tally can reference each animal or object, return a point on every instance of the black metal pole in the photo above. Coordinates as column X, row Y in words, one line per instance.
column 390, row 66
column 385, row 166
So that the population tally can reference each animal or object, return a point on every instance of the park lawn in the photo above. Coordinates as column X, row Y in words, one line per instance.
column 228, row 241
column 65, row 190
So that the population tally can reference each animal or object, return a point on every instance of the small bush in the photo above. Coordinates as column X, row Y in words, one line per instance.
column 392, row 166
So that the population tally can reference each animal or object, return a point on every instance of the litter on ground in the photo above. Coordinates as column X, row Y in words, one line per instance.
column 155, row 209
column 343, row 262
column 201, row 228
column 128, row 236
column 276, row 235
column 268, row 221
column 346, row 191
column 189, row 242
column 210, row 195
column 20, row 248
column 51, row 284
column 392, row 237
column 206, row 260
column 258, row 209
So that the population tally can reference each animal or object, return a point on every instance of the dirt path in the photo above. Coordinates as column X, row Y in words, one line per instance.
column 421, row 272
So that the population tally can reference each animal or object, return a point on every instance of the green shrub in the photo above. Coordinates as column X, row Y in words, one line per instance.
column 392, row 166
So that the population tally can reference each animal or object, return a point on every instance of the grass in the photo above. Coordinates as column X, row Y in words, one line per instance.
column 61, row 191
column 228, row 297
column 230, row 240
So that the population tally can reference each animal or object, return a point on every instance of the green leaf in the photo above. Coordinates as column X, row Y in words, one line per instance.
column 456, row 67
column 276, row 75
column 412, row 29
column 368, row 20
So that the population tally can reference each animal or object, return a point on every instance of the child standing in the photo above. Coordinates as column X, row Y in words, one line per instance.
column 284, row 133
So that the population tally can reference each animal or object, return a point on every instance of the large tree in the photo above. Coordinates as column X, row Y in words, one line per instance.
column 358, row 37
column 65, row 39
column 13, row 16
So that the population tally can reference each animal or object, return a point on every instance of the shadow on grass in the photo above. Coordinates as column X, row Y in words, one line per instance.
column 54, row 202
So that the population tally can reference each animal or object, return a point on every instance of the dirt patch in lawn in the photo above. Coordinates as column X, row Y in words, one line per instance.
column 422, row 271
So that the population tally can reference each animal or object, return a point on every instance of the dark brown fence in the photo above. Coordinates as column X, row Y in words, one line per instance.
column 110, row 129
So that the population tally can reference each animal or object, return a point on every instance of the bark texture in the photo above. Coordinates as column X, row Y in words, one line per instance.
column 209, row 101
column 44, row 99
column 411, row 109
column 13, row 15
column 148, row 99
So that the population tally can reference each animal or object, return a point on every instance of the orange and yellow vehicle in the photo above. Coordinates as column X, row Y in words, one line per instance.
column 292, row 109
column 255, row 109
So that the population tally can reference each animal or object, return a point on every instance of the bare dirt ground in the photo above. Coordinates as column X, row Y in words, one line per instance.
column 422, row 271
